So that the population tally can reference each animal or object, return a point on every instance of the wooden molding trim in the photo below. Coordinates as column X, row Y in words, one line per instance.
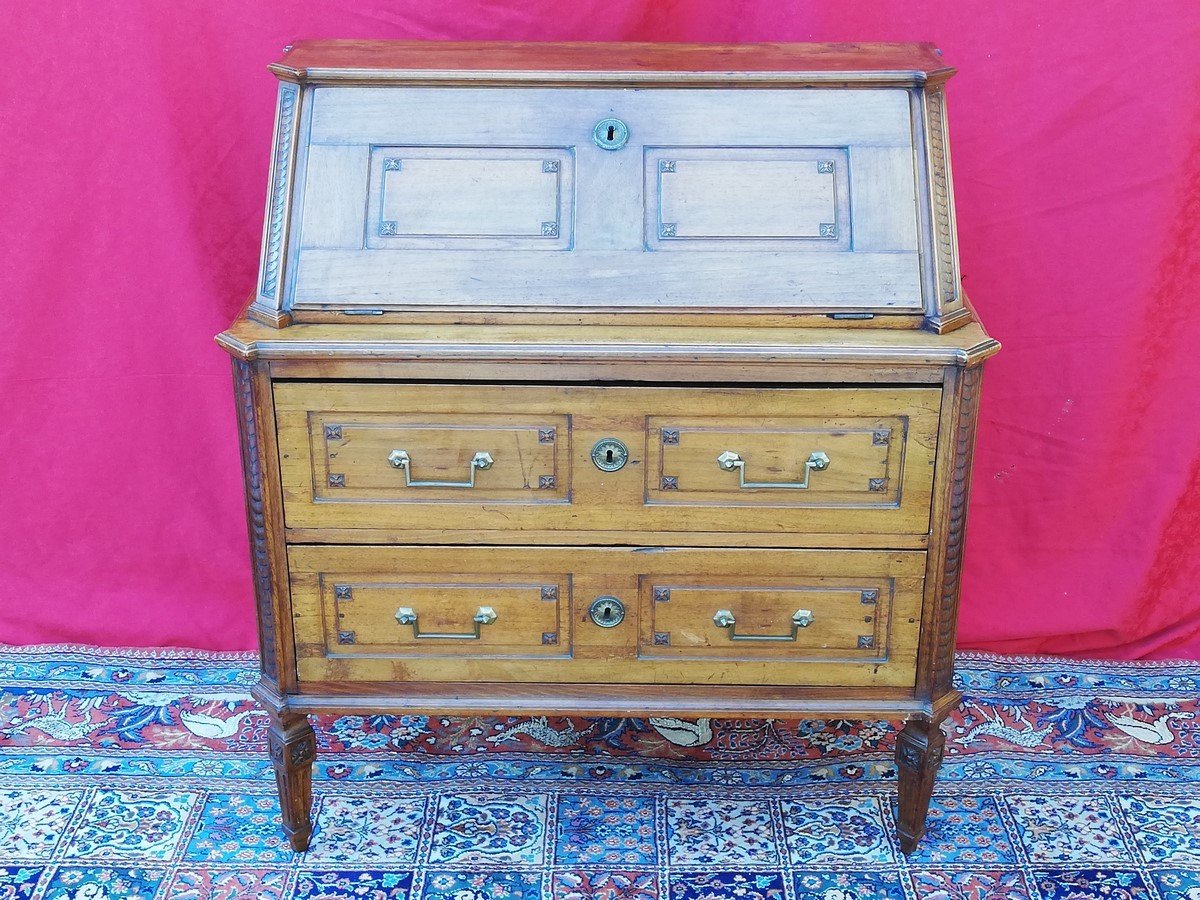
column 272, row 317
column 949, row 322
column 615, row 78
column 269, row 697
column 380, row 348
column 482, row 698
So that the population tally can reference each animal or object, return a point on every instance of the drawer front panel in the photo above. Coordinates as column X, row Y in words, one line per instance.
column 765, row 618
column 471, row 458
column 449, row 197
column 419, row 457
column 422, row 613
column 801, row 461
column 849, row 617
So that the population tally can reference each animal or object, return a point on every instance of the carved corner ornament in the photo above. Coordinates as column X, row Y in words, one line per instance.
column 921, row 748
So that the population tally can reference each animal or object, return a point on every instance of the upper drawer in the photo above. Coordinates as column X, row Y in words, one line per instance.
column 459, row 197
column 557, row 458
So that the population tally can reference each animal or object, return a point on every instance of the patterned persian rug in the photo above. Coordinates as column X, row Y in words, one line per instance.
column 145, row 775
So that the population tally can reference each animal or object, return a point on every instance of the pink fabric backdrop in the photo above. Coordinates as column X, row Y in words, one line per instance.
column 133, row 158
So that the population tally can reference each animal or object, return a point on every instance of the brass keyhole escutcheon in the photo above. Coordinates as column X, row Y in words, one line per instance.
column 607, row 612
column 610, row 134
column 609, row 455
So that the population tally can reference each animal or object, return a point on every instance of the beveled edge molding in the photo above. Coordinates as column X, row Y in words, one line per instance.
column 256, row 517
column 269, row 697
column 539, row 698
column 273, row 317
column 599, row 352
column 947, row 323
column 607, row 78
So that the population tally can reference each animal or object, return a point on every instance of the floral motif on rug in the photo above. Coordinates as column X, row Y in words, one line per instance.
column 144, row 774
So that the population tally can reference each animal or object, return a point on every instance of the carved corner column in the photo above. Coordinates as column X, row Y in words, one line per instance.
column 946, row 308
column 264, row 521
column 270, row 293
column 290, row 737
column 293, row 748
column 920, row 746
column 919, row 750
column 945, row 572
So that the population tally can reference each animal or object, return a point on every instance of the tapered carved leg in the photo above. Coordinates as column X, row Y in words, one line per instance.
column 919, row 750
column 293, row 749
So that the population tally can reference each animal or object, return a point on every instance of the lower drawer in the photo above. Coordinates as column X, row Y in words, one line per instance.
column 606, row 615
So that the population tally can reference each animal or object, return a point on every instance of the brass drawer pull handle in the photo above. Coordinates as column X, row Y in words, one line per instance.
column 406, row 615
column 801, row 618
column 816, row 462
column 400, row 460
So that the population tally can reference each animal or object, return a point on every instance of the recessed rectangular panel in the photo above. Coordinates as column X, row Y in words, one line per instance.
column 829, row 460
column 733, row 198
column 470, row 198
column 758, row 618
column 486, row 614
column 371, row 457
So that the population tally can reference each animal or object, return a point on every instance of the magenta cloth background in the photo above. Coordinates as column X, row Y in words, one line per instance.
column 134, row 140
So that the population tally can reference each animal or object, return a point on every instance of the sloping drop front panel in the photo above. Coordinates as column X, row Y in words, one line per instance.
column 422, row 197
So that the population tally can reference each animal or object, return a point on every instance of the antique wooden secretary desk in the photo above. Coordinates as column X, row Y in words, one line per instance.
column 608, row 379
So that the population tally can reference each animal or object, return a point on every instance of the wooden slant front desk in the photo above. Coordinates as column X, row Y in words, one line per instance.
column 611, row 379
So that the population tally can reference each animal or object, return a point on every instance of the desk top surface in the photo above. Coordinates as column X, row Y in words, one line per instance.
column 967, row 345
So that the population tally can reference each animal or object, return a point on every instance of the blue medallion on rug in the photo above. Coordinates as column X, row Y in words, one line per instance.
column 145, row 775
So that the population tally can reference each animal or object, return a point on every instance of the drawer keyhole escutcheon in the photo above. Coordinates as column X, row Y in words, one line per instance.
column 401, row 460
column 609, row 455
column 610, row 134
column 816, row 462
column 607, row 612
column 801, row 618
column 406, row 615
